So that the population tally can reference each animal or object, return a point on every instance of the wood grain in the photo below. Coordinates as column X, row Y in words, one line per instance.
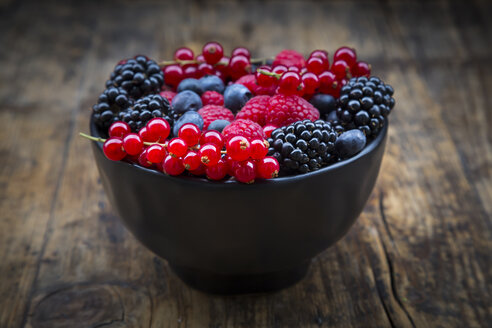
column 418, row 256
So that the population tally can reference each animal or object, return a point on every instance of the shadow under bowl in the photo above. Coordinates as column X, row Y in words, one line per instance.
column 227, row 237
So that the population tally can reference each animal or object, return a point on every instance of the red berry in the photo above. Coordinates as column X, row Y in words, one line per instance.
column 239, row 66
column 146, row 136
column 132, row 143
column 113, row 149
column 200, row 58
column 209, row 154
column 142, row 159
column 191, row 72
column 212, row 98
column 191, row 160
column 238, row 148
column 289, row 58
column 265, row 80
column 280, row 69
column 231, row 165
column 294, row 69
column 245, row 171
column 223, row 66
column 346, row 54
column 158, row 128
column 173, row 165
column 212, row 52
column 169, row 95
column 119, row 129
column 361, row 69
column 156, row 153
column 199, row 171
column 289, row 83
column 268, row 129
column 259, row 148
column 315, row 65
column 323, row 55
column 206, row 69
column 241, row 51
column 267, row 168
column 173, row 74
column 327, row 82
column 340, row 68
column 190, row 133
column 183, row 54
column 212, row 137
column 177, row 147
column 217, row 171
column 311, row 82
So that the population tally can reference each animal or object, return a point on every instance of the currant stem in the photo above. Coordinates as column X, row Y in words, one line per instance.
column 145, row 142
column 186, row 62
column 275, row 75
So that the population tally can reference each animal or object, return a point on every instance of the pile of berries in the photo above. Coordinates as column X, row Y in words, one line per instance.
column 198, row 153
column 235, row 116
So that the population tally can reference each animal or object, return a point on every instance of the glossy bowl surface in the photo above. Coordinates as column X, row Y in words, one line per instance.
column 228, row 237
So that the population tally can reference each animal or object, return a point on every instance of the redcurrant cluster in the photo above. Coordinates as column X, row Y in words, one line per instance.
column 196, row 152
column 317, row 75
column 210, row 62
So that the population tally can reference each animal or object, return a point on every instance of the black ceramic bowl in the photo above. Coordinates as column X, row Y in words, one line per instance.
column 229, row 237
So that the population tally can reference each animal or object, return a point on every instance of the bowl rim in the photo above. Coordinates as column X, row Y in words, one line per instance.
column 369, row 148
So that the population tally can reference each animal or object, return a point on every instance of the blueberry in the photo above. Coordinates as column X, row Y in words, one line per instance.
column 191, row 84
column 350, row 143
column 324, row 103
column 188, row 117
column 212, row 83
column 235, row 96
column 218, row 125
column 332, row 116
column 186, row 101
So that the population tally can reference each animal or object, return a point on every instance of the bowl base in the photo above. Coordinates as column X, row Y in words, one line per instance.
column 240, row 284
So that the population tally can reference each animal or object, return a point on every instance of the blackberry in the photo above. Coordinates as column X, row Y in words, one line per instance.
column 364, row 104
column 303, row 146
column 145, row 109
column 139, row 76
column 110, row 103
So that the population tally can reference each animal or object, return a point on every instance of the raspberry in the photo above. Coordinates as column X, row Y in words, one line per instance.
column 255, row 110
column 249, row 81
column 169, row 95
column 211, row 113
column 284, row 110
column 245, row 128
column 212, row 98
column 289, row 58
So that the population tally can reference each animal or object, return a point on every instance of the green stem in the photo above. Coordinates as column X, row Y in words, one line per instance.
column 275, row 75
column 91, row 137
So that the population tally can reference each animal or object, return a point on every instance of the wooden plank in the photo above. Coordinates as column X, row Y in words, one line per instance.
column 38, row 90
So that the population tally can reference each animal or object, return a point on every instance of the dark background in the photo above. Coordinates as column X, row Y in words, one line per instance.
column 419, row 255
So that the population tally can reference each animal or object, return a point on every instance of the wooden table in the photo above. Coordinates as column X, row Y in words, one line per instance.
column 418, row 256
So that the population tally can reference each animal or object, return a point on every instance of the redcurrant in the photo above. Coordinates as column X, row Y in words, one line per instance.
column 189, row 133
column 173, row 74
column 239, row 66
column 245, row 171
column 217, row 171
column 340, row 68
column 209, row 154
column 183, row 54
column 119, row 129
column 113, row 149
column 191, row 160
column 346, row 54
column 212, row 52
column 158, row 128
column 132, row 143
column 327, row 82
column 212, row 137
column 361, row 69
column 156, row 153
column 289, row 83
column 177, row 147
column 267, row 168
column 238, row 148
column 259, row 148
column 172, row 165
column 311, row 82
column 241, row 51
